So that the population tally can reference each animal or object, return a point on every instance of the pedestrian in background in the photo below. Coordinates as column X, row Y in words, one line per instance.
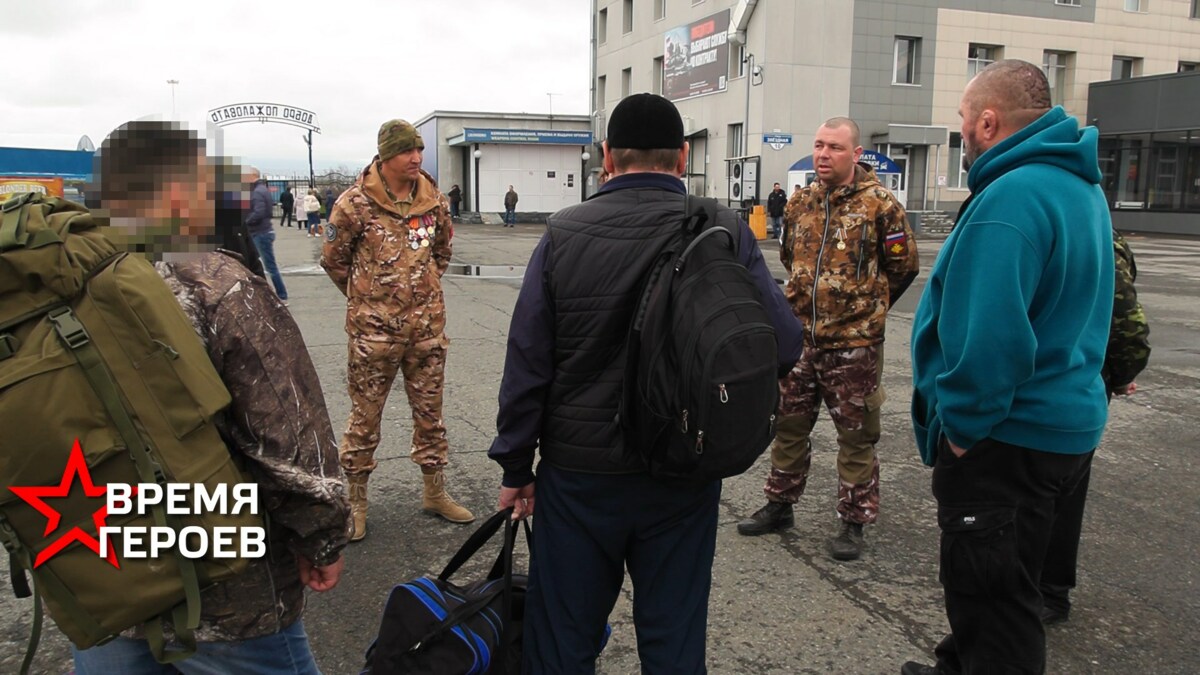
column 312, row 212
column 510, row 207
column 776, row 201
column 286, row 202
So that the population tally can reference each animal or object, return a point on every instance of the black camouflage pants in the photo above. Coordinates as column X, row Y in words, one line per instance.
column 848, row 381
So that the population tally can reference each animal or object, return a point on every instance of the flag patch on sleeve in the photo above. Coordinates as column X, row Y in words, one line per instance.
column 896, row 243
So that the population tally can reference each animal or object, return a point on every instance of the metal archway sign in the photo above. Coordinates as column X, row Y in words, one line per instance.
column 240, row 113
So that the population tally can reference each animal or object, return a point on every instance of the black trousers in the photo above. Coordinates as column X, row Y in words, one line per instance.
column 996, row 507
column 590, row 528
column 286, row 219
column 1062, row 555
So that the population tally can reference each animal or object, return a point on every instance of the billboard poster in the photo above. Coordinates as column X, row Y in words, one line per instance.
column 696, row 58
column 13, row 185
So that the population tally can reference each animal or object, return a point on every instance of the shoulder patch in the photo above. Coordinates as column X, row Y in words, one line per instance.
column 330, row 232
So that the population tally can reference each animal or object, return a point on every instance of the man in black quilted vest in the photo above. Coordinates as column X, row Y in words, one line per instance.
column 599, row 511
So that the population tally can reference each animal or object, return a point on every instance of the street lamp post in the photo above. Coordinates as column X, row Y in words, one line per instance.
column 172, row 83
column 582, row 176
column 477, row 154
column 312, row 177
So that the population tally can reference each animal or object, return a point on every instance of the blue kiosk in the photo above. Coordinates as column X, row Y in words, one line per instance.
column 890, row 173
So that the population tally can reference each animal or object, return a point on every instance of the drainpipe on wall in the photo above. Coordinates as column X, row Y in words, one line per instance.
column 739, row 20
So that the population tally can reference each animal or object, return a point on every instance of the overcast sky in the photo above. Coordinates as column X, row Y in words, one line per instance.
column 78, row 67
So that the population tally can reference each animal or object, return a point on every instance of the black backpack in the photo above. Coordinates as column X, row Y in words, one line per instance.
column 701, row 376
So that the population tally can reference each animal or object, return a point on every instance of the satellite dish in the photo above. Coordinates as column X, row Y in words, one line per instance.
column 85, row 144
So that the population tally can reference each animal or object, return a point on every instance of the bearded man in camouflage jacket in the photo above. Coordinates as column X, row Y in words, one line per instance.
column 850, row 254
column 387, row 246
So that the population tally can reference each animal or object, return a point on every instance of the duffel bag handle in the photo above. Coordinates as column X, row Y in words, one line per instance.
column 471, row 546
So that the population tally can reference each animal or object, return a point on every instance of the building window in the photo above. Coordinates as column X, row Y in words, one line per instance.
column 1069, row 3
column 1188, row 67
column 601, row 91
column 660, row 9
column 735, row 140
column 957, row 175
column 1125, row 67
column 1055, row 64
column 1159, row 172
column 627, row 17
column 905, row 64
column 980, row 57
column 658, row 75
column 737, row 62
column 1196, row 9
column 1133, row 5
column 602, row 26
column 626, row 81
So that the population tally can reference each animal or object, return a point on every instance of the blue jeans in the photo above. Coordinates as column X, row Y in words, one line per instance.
column 283, row 652
column 776, row 225
column 510, row 217
column 314, row 219
column 265, row 243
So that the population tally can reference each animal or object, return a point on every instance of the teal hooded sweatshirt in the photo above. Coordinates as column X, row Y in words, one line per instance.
column 1009, row 336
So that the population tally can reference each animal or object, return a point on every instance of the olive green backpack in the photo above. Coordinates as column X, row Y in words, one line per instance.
column 95, row 348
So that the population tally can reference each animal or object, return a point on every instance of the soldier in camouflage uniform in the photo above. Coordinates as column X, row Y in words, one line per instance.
column 850, row 252
column 1127, row 354
column 387, row 245
column 277, row 422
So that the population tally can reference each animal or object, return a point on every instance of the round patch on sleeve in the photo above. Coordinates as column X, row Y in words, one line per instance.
column 330, row 232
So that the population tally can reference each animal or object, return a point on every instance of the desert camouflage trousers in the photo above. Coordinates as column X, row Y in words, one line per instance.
column 369, row 375
column 849, row 381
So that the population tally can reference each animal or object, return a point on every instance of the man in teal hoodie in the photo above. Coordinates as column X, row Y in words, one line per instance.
column 1007, row 348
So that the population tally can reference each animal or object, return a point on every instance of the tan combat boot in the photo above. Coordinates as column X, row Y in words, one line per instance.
column 435, row 500
column 358, row 505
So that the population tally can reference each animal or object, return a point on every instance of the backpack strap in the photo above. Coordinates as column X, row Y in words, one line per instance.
column 12, row 226
column 21, row 560
column 702, row 213
column 186, row 617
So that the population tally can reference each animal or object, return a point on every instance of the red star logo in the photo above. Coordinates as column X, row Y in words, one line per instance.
column 76, row 467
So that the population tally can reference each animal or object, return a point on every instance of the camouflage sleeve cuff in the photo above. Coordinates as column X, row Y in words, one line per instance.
column 326, row 554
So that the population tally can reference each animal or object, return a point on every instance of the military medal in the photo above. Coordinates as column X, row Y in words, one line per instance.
column 841, row 245
column 841, row 235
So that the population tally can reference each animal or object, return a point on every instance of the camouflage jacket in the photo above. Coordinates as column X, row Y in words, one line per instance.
column 1128, row 343
column 278, row 422
column 850, row 254
column 389, row 265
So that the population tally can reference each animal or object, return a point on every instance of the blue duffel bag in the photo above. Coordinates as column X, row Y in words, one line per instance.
column 431, row 625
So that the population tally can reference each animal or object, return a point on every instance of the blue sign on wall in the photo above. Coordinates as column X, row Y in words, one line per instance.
column 781, row 139
column 70, row 164
column 544, row 136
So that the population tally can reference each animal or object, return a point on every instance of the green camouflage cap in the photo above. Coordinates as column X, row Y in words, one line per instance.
column 397, row 136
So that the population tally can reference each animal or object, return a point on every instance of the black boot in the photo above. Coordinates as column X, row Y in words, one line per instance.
column 914, row 668
column 770, row 518
column 849, row 544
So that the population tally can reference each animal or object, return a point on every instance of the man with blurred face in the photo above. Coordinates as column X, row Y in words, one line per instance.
column 157, row 191
column 387, row 245
column 850, row 254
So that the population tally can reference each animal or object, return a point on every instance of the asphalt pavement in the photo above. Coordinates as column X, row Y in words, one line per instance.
column 779, row 604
